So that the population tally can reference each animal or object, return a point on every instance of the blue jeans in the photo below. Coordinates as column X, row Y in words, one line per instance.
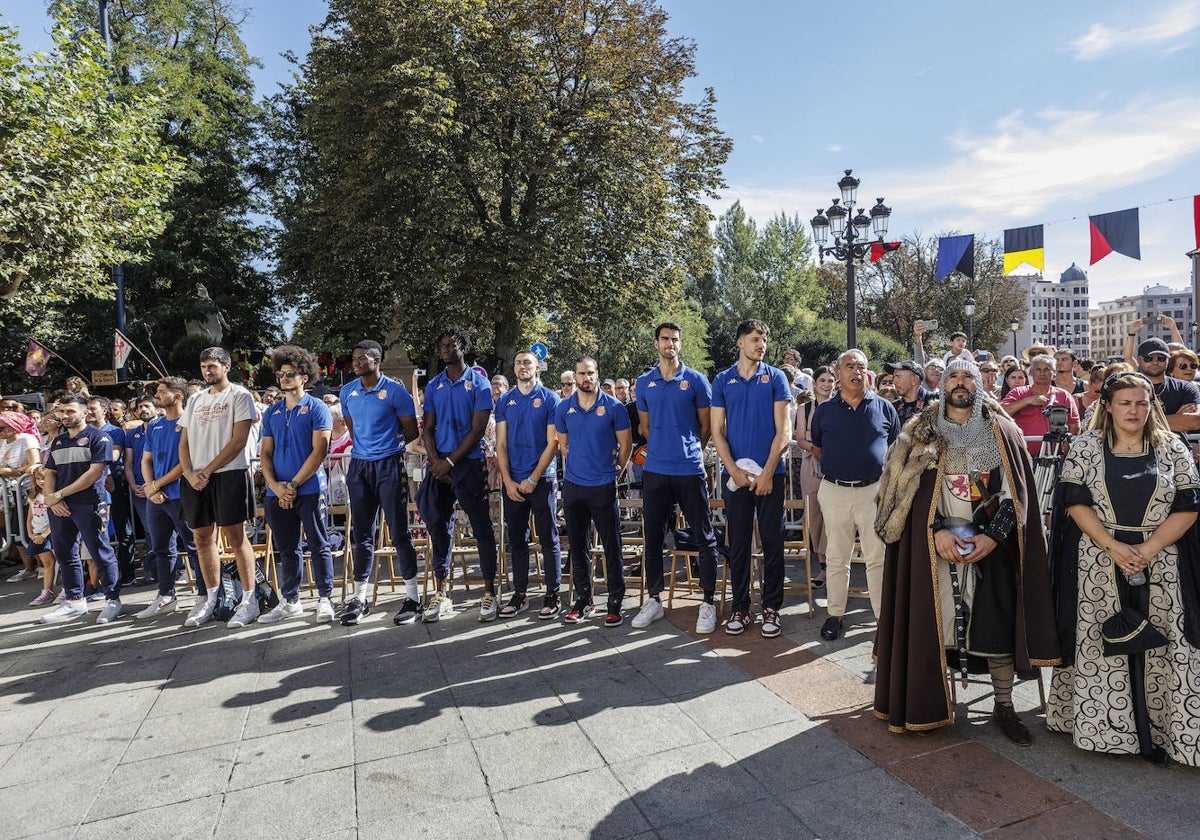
column 660, row 494
column 741, row 507
column 516, row 518
column 168, row 532
column 375, row 485
column 582, row 506
column 308, row 511
column 88, row 520
column 469, row 486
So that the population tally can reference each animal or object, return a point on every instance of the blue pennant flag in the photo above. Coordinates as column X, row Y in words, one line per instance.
column 956, row 253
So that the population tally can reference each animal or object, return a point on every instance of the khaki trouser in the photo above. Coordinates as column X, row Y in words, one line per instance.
column 846, row 508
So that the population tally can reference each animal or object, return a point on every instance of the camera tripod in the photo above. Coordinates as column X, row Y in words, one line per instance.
column 1047, row 466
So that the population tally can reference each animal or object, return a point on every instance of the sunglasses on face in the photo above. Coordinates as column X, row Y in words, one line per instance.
column 989, row 370
column 1155, row 357
column 1185, row 366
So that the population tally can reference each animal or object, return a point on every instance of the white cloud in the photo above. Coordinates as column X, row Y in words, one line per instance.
column 758, row 138
column 1171, row 25
column 834, row 148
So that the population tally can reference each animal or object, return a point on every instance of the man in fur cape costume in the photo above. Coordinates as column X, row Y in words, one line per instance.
column 958, row 483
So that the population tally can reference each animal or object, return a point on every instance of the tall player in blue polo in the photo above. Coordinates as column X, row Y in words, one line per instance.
column 526, row 445
column 458, row 403
column 673, row 405
column 593, row 432
column 75, row 494
column 295, row 440
column 381, row 416
column 751, row 429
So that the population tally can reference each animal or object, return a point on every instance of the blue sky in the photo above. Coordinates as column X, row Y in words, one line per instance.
column 966, row 116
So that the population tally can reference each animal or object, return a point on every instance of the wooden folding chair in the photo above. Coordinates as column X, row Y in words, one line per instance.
column 686, row 555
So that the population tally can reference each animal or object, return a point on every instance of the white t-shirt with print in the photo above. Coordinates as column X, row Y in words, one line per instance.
column 209, row 420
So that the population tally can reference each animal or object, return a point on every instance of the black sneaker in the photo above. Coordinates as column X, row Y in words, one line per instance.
column 410, row 611
column 354, row 609
column 515, row 606
column 614, row 617
column 551, row 607
column 581, row 611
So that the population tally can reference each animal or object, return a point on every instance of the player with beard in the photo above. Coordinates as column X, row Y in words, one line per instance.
column 966, row 580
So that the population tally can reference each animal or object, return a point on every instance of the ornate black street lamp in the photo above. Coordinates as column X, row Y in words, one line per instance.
column 1014, row 325
column 969, row 309
column 850, row 242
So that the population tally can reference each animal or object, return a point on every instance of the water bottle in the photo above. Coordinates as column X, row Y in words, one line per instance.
column 1138, row 578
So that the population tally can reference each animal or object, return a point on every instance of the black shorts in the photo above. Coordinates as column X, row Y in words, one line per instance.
column 227, row 499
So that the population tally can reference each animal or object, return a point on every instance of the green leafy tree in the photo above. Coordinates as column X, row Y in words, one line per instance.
column 192, row 51
column 83, row 181
column 765, row 274
column 492, row 163
column 903, row 287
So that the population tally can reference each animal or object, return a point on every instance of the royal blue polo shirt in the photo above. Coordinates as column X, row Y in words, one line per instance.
column 673, row 445
column 72, row 456
column 135, row 442
column 375, row 413
column 854, row 441
column 750, row 410
column 117, row 435
column 526, row 417
column 292, row 431
column 592, row 446
column 453, row 403
column 162, row 439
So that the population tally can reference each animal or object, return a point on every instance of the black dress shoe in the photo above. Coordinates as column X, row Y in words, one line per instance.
column 832, row 628
column 1010, row 724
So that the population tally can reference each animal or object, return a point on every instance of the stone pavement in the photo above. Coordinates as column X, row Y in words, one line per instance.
column 517, row 729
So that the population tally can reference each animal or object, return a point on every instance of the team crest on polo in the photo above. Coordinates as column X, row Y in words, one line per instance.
column 83, row 441
column 600, row 411
column 469, row 385
column 383, row 395
column 764, row 378
column 683, row 385
column 304, row 409
column 536, row 403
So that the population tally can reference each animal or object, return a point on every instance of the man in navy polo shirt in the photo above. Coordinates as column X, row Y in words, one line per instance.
column 458, row 404
column 673, row 406
column 120, row 510
column 593, row 432
column 381, row 417
column 526, row 444
column 751, row 428
column 74, row 493
column 135, row 444
column 295, row 440
column 166, row 529
column 851, row 432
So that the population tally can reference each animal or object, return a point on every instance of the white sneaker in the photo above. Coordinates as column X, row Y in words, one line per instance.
column 488, row 608
column 324, row 611
column 112, row 609
column 246, row 613
column 440, row 606
column 706, row 622
column 650, row 612
column 61, row 596
column 283, row 611
column 67, row 611
column 24, row 574
column 202, row 612
column 161, row 604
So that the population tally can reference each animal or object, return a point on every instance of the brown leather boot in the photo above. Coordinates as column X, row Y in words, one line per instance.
column 1010, row 724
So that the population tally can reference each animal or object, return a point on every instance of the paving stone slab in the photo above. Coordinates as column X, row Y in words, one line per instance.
column 286, row 755
column 290, row 808
column 419, row 781
column 515, row 759
column 469, row 818
column 194, row 819
column 760, row 818
column 61, row 755
column 178, row 777
column 587, row 804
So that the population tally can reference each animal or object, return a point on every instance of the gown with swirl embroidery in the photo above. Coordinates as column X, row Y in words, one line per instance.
column 1135, row 704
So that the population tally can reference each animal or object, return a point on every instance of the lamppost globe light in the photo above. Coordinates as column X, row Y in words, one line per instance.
column 820, row 227
column 969, row 307
column 879, row 218
column 849, row 188
column 837, row 218
column 861, row 223
column 1014, row 325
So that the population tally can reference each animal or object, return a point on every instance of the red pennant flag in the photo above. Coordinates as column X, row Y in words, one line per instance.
column 1196, row 217
column 881, row 249
column 1118, row 232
